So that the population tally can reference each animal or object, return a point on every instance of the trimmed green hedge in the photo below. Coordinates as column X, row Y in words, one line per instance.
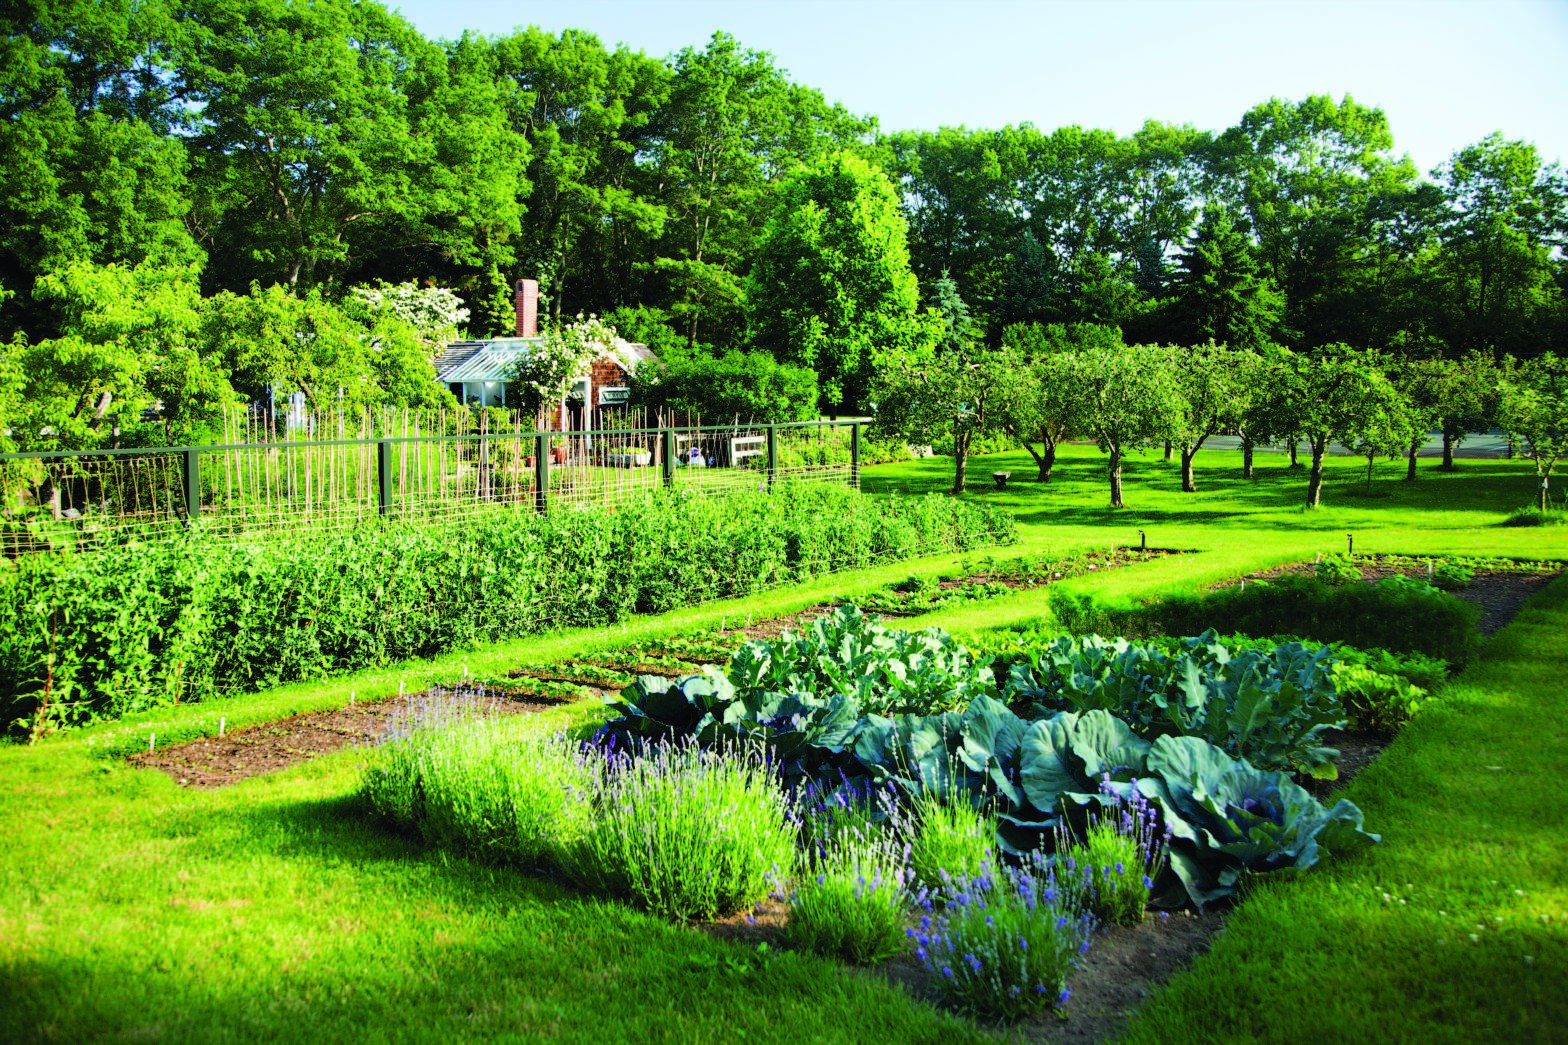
column 125, row 629
column 1396, row 614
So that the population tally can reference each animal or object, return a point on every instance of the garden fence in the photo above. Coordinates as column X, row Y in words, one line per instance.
column 86, row 499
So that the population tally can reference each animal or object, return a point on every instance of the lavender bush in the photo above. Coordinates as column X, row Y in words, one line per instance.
column 687, row 832
column 1002, row 946
column 853, row 901
column 1110, row 870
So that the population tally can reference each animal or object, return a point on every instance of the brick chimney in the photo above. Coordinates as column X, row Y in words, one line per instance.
column 527, row 300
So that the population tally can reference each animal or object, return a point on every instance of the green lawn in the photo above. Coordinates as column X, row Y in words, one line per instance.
column 132, row 909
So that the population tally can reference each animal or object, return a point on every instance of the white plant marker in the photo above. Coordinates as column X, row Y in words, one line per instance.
column 350, row 698
column 221, row 723
column 152, row 739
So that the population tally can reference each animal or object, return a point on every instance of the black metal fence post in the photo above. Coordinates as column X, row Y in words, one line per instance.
column 384, row 476
column 854, row 455
column 667, row 455
column 773, row 453
column 192, row 484
column 541, row 472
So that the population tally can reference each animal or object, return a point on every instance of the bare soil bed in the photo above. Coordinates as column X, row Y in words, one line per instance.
column 213, row 762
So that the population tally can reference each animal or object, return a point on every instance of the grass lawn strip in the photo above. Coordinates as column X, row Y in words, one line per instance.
column 256, row 910
column 1455, row 928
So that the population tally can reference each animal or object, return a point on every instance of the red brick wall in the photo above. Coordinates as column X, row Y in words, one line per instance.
column 526, row 301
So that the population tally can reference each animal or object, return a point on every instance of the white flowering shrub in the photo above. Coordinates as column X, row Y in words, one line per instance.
column 563, row 355
column 434, row 313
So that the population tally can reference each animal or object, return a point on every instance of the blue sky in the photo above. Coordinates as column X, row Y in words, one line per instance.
column 1447, row 72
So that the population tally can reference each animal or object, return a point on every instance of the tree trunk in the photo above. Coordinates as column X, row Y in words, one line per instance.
column 1315, row 476
column 1044, row 459
column 1293, row 462
column 1410, row 463
column 1115, row 470
column 1246, row 458
column 1188, row 483
column 1545, row 504
column 960, row 461
column 1448, row 452
column 1167, row 449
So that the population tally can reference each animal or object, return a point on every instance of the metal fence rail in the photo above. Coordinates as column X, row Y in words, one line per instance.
column 88, row 499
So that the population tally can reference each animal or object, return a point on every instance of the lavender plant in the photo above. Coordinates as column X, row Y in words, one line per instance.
column 1110, row 870
column 1003, row 945
column 494, row 787
column 950, row 839
column 853, row 901
column 853, row 808
column 687, row 832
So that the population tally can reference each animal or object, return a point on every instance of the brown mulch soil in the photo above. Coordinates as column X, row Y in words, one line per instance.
column 1122, row 966
column 797, row 622
column 213, row 762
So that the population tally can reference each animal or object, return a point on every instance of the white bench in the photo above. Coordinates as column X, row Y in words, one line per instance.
column 744, row 446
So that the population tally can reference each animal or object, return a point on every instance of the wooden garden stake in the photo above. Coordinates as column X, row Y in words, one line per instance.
column 152, row 739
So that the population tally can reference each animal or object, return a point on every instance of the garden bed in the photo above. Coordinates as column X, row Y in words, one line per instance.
column 1500, row 589
column 212, row 762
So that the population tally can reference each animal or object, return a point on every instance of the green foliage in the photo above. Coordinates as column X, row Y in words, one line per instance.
column 1534, row 409
column 950, row 841
column 1110, row 867
column 1034, row 770
column 1125, row 400
column 1337, row 570
column 108, row 632
column 1450, row 576
column 1392, row 614
column 560, row 357
column 1269, row 706
column 931, row 396
column 881, row 670
column 687, row 833
column 830, row 286
column 498, row 788
column 743, row 387
column 1338, row 396
column 853, row 901
column 1222, row 296
column 1377, row 702
column 1417, row 668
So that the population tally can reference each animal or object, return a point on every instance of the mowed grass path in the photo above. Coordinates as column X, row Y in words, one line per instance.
column 132, row 909
column 1455, row 928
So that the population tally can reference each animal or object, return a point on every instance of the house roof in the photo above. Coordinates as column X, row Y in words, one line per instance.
column 493, row 359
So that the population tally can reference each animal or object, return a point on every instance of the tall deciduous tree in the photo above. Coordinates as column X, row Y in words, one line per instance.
column 88, row 169
column 584, row 111
column 1216, row 386
column 1127, row 400
column 733, row 125
column 1534, row 409
column 1503, row 215
column 830, row 287
column 1307, row 176
column 326, row 133
column 1333, row 396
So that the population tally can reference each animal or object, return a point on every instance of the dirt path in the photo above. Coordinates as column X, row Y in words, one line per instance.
column 213, row 762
